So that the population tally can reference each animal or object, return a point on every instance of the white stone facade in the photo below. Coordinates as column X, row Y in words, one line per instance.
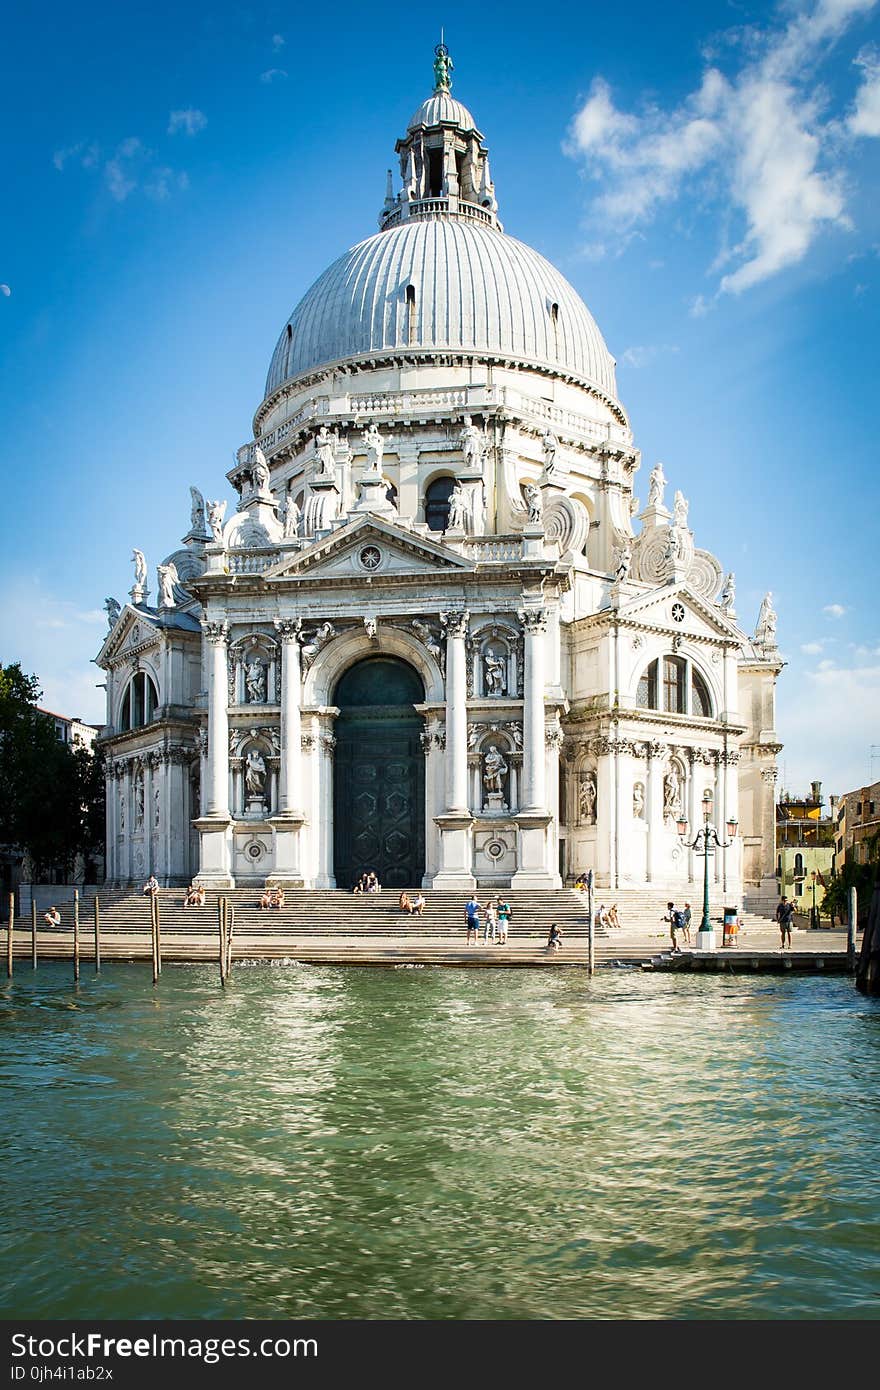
column 584, row 682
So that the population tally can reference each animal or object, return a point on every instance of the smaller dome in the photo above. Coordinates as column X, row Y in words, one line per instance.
column 441, row 108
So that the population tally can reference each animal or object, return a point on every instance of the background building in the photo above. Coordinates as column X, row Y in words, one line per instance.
column 439, row 636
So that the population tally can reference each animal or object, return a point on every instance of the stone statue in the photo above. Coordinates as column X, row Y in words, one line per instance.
column 494, row 674
column 259, row 473
column 255, row 682
column 428, row 640
column 325, row 633
column 638, row 801
column 255, row 773
column 728, row 593
column 140, row 569
column 656, row 484
column 672, row 793
column 197, row 512
column 138, row 803
column 216, row 514
column 290, row 517
column 167, row 576
column 457, row 509
column 471, row 444
column 112, row 608
column 442, row 68
column 157, row 807
column 680, row 510
column 588, row 799
column 122, row 808
column 325, row 447
column 371, row 628
column 494, row 768
column 622, row 561
column 549, row 444
column 375, row 448
column 765, row 632
column 534, row 502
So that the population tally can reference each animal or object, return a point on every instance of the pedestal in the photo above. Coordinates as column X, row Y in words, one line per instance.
column 706, row 940
column 215, row 852
column 456, row 853
column 288, row 866
column 534, row 871
column 495, row 804
column 374, row 496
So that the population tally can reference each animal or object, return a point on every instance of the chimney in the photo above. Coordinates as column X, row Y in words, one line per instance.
column 816, row 788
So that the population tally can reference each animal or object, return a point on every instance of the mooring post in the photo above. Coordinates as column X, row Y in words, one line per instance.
column 591, row 944
column 76, row 933
column 158, row 934
column 9, row 936
column 221, row 927
column 33, row 931
column 97, row 936
column 230, row 926
column 153, row 938
column 851, row 929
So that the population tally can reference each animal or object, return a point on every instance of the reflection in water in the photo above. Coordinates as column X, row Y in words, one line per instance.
column 439, row 1144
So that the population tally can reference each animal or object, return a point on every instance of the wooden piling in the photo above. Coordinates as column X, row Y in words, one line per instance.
column 158, row 913
column 9, row 931
column 33, row 932
column 230, row 926
column 221, row 928
column 97, row 936
column 851, row 929
column 591, row 945
column 76, row 933
column 153, row 935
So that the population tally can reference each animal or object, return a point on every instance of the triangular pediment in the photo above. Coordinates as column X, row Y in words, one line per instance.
column 655, row 609
column 132, row 631
column 369, row 548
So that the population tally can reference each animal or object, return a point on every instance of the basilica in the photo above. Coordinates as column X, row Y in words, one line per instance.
column 434, row 633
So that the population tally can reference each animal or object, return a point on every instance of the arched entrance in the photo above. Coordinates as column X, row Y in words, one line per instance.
column 379, row 775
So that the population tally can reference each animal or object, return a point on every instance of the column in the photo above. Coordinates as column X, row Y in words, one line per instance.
column 534, row 789
column 290, row 782
column 455, row 823
column 215, row 823
column 218, row 720
column 535, row 843
column 290, row 817
column 456, row 713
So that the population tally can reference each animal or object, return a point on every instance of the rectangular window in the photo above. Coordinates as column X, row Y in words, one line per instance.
column 673, row 685
column 858, row 808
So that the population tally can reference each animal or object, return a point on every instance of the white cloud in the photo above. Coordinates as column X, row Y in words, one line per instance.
column 819, row 742
column 132, row 166
column 271, row 74
column 5, row 291
column 643, row 356
column 757, row 145
column 189, row 121
column 834, row 610
column 864, row 119
column 278, row 41
column 812, row 648
column 55, row 641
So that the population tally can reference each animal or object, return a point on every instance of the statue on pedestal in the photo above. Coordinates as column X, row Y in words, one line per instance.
column 375, row 448
column 167, row 576
column 255, row 775
column 494, row 768
column 622, row 561
column 197, row 512
column 534, row 502
column 494, row 674
column 680, row 510
column 216, row 514
column 549, row 444
column 255, row 682
column 457, row 509
column 728, row 593
column 112, row 608
column 765, row 631
column 325, row 446
column 588, row 799
column 656, row 484
column 471, row 444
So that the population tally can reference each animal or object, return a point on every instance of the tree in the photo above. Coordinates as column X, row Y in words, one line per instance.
column 51, row 795
column 852, row 875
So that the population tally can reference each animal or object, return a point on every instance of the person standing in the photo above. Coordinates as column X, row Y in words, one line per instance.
column 490, row 919
column 686, row 923
column 784, row 914
column 472, row 913
column 503, row 908
column 672, row 917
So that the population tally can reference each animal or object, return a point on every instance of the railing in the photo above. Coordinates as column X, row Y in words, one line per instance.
column 413, row 403
column 436, row 207
column 489, row 551
column 252, row 561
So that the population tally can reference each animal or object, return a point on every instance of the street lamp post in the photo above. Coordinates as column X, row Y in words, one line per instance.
column 704, row 842
column 813, row 922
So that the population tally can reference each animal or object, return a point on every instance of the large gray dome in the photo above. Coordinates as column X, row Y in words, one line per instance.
column 473, row 290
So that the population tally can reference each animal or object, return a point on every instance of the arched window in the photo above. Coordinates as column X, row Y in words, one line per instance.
column 410, row 314
column 139, row 702
column 799, row 866
column 437, row 503
column 672, row 684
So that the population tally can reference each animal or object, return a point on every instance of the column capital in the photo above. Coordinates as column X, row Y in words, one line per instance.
column 288, row 629
column 217, row 633
column 534, row 620
column 456, row 623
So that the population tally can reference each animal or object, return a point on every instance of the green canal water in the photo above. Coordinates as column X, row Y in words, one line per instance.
column 424, row 1143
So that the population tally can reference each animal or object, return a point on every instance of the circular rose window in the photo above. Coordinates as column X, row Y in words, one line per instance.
column 370, row 557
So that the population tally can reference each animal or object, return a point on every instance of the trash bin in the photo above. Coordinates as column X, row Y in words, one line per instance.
column 731, row 926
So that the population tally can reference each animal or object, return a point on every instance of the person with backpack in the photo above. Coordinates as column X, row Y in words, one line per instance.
column 674, row 918
column 784, row 914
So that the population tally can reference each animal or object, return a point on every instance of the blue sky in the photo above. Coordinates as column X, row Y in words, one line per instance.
column 705, row 175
